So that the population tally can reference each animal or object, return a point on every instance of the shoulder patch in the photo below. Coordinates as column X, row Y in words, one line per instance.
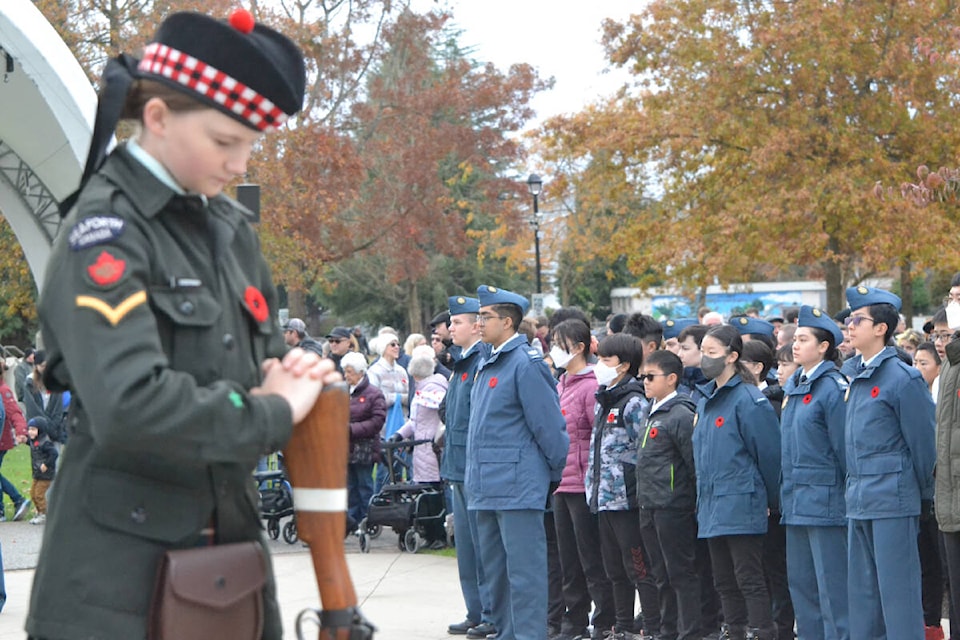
column 107, row 270
column 95, row 230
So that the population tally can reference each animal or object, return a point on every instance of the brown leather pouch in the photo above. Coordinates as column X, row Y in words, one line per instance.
column 209, row 593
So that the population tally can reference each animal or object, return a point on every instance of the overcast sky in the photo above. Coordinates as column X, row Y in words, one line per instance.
column 561, row 38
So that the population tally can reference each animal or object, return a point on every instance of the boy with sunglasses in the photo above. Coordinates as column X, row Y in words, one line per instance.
column 890, row 454
column 667, row 492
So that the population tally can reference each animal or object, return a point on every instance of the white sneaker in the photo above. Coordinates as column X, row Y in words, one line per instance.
column 39, row 519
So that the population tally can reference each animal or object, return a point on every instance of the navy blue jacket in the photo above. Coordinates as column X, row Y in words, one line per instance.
column 890, row 438
column 457, row 410
column 813, row 463
column 517, row 443
column 736, row 448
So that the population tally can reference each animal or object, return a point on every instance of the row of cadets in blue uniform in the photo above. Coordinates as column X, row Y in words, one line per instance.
column 813, row 471
column 890, row 455
column 516, row 450
column 467, row 352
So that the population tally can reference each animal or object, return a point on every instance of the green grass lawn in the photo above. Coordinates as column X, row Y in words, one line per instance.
column 16, row 469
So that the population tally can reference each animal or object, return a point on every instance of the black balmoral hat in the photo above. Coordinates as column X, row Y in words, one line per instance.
column 246, row 70
column 250, row 72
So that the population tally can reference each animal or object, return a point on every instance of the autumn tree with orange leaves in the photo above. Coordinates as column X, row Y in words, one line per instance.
column 757, row 131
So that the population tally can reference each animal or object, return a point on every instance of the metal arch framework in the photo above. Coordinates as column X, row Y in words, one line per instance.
column 48, row 106
column 35, row 197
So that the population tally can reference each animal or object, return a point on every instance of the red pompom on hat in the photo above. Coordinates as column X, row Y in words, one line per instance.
column 242, row 20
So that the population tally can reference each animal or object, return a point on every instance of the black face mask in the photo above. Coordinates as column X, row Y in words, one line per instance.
column 713, row 367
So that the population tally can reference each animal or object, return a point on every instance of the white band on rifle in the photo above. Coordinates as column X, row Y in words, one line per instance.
column 323, row 500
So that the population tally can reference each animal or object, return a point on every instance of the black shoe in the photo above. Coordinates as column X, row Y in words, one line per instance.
column 461, row 628
column 481, row 631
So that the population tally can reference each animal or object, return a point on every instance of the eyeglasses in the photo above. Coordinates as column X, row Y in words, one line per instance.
column 483, row 317
column 943, row 336
column 650, row 376
column 854, row 321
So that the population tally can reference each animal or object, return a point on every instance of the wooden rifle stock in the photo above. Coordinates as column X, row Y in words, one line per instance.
column 316, row 462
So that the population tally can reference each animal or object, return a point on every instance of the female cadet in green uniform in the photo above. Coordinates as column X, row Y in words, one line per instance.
column 159, row 315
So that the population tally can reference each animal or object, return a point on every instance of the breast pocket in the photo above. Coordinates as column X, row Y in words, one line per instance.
column 188, row 322
column 498, row 471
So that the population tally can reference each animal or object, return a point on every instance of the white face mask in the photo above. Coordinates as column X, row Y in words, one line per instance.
column 605, row 374
column 953, row 315
column 560, row 357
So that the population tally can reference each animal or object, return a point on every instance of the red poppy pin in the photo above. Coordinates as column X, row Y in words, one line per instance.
column 563, row 411
column 256, row 303
column 807, row 398
column 719, row 422
column 362, row 399
column 493, row 382
column 611, row 418
column 874, row 392
column 107, row 269
column 653, row 432
column 463, row 378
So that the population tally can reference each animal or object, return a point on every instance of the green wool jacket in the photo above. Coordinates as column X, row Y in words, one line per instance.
column 157, row 310
column 947, row 477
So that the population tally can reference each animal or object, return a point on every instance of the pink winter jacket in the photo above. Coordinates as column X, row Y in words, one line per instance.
column 577, row 402
column 423, row 424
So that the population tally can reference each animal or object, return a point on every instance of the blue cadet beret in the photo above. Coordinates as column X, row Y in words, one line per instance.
column 861, row 296
column 818, row 318
column 746, row 324
column 672, row 328
column 462, row 304
column 491, row 295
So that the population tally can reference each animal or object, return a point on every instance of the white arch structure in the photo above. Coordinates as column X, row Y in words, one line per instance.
column 47, row 108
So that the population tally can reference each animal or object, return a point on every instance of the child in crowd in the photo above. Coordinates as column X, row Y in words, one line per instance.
column 785, row 364
column 667, row 494
column 611, row 470
column 43, row 457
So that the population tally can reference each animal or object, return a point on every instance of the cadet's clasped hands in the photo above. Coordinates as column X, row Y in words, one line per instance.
column 298, row 378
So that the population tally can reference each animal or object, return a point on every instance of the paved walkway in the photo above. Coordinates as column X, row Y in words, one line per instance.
column 407, row 596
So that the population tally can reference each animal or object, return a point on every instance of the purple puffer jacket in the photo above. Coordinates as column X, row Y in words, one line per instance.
column 577, row 402
column 368, row 412
column 423, row 424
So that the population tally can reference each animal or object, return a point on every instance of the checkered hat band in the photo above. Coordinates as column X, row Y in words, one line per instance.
column 198, row 76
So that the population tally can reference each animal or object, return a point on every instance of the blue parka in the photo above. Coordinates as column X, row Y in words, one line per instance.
column 890, row 438
column 517, row 443
column 457, row 410
column 813, row 463
column 736, row 448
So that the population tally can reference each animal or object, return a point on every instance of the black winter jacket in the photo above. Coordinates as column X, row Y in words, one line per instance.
column 665, row 470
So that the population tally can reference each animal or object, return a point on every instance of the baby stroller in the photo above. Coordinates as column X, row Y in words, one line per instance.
column 276, row 502
column 414, row 510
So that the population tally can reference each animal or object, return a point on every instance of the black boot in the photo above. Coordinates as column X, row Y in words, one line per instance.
column 732, row 632
column 756, row 634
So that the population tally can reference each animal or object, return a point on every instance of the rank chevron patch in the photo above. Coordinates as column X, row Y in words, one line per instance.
column 113, row 314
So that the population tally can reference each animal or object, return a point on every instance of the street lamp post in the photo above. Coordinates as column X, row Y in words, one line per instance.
column 534, row 185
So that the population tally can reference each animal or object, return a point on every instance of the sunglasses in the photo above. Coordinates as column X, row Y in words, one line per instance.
column 854, row 321
column 650, row 376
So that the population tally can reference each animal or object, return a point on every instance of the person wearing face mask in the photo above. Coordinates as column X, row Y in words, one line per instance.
column 736, row 445
column 619, row 415
column 578, row 534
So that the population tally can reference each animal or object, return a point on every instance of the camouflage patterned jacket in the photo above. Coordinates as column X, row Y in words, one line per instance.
column 618, row 417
